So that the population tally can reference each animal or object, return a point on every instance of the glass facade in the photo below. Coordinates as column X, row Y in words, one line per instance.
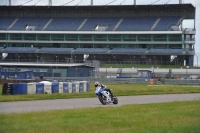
column 93, row 40
column 91, row 37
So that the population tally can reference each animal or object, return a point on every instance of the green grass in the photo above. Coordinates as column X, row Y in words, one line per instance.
column 173, row 117
column 118, row 90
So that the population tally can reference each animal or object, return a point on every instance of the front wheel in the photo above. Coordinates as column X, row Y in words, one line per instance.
column 102, row 99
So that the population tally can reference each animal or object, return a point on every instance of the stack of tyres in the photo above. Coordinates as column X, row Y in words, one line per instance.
column 7, row 89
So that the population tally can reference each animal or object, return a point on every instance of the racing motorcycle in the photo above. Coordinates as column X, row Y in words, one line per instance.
column 105, row 95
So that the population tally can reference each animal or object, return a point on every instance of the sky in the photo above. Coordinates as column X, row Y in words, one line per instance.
column 186, row 23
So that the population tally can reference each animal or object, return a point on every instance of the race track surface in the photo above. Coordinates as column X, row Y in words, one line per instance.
column 44, row 105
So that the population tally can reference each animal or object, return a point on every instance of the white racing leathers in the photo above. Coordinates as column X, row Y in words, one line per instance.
column 104, row 92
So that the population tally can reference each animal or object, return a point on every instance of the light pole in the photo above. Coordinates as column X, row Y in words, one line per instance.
column 197, row 59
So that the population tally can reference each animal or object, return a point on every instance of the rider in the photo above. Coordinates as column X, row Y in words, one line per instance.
column 97, row 84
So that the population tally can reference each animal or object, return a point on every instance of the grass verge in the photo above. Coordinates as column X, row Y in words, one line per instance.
column 173, row 117
column 118, row 90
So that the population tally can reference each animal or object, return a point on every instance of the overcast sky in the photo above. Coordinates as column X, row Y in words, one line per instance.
column 186, row 23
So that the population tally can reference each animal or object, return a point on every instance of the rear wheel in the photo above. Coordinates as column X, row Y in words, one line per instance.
column 115, row 100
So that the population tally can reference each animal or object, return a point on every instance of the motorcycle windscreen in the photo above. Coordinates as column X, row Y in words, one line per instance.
column 98, row 91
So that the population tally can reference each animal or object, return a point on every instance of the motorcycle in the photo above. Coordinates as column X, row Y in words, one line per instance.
column 105, row 95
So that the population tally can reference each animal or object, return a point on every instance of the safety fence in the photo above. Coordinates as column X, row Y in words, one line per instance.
column 134, row 80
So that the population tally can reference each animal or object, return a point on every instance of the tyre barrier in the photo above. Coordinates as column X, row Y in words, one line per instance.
column 45, row 87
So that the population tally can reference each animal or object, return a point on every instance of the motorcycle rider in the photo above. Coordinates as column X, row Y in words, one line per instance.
column 97, row 84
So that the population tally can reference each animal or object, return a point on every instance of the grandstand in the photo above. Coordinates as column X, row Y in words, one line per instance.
column 141, row 34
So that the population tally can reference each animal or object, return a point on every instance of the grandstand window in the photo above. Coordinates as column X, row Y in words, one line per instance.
column 71, row 37
column 16, row 44
column 71, row 45
column 175, row 46
column 30, row 37
column 14, row 14
column 158, row 46
column 2, row 36
column 43, row 37
column 128, row 37
column 115, row 46
column 129, row 46
column 114, row 37
column 39, row 70
column 15, row 36
column 100, row 37
column 97, row 14
column 81, row 14
column 161, row 37
column 2, row 44
column 43, row 14
column 63, row 72
column 175, row 37
column 85, row 37
column 30, row 14
column 57, row 37
column 86, row 46
column 100, row 45
column 144, row 37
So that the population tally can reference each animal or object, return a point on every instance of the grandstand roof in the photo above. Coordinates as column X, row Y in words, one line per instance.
column 169, row 7
column 43, row 64
column 179, row 8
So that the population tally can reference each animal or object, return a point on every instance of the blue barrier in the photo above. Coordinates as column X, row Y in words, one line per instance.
column 55, row 87
column 65, row 87
column 19, row 88
column 81, row 87
column 39, row 88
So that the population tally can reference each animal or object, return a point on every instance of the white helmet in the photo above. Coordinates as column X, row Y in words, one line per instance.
column 96, row 84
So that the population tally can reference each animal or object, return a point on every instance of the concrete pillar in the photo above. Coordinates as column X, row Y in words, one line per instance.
column 50, row 2
column 91, row 3
column 9, row 3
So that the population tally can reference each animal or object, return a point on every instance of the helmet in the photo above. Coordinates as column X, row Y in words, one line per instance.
column 96, row 84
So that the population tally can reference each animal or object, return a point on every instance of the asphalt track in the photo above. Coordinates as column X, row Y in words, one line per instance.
column 44, row 105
